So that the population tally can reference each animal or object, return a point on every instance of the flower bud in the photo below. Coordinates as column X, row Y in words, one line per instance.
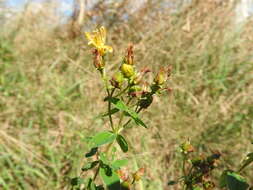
column 127, row 70
column 98, row 61
column 187, row 147
column 161, row 77
column 117, row 80
column 130, row 55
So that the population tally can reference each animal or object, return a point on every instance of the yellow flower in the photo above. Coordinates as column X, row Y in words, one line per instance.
column 97, row 38
column 127, row 70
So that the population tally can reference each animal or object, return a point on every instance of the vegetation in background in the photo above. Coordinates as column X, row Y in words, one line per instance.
column 50, row 95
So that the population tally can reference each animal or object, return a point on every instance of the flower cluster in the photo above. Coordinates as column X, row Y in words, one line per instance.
column 128, row 79
column 128, row 93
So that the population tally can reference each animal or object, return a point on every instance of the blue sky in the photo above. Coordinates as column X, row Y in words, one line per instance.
column 18, row 3
column 65, row 5
column 14, row 3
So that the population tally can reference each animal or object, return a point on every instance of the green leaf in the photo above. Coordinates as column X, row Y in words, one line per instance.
column 247, row 161
column 236, row 182
column 76, row 181
column 117, row 164
column 122, row 143
column 102, row 138
column 111, row 181
column 92, row 152
column 121, row 106
column 107, row 169
column 91, row 185
column 113, row 111
column 90, row 165
column 103, row 158
column 233, row 181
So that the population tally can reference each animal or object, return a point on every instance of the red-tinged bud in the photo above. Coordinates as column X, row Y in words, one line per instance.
column 98, row 61
column 130, row 55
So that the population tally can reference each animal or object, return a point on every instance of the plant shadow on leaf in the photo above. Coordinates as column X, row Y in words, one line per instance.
column 92, row 152
column 110, row 178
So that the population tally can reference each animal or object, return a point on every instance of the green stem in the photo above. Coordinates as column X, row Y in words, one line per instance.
column 109, row 108
column 183, row 167
column 107, row 150
column 122, row 114
column 122, row 92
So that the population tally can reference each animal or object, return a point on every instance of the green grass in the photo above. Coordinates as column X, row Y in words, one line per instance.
column 50, row 97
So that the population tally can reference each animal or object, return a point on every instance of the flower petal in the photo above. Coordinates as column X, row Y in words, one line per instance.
column 102, row 32
column 88, row 36
column 109, row 48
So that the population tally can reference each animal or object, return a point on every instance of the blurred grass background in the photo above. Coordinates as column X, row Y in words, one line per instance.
column 50, row 94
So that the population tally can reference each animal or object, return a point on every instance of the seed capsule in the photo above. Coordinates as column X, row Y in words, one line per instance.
column 161, row 77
